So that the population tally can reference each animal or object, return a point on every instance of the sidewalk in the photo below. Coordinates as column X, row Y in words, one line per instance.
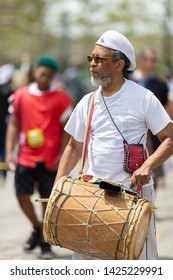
column 15, row 229
column 164, row 218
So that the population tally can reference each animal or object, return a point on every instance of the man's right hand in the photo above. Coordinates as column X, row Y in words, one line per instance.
column 10, row 163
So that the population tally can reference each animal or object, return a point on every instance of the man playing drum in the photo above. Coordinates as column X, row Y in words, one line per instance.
column 123, row 110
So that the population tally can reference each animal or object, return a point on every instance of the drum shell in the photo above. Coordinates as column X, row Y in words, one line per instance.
column 84, row 218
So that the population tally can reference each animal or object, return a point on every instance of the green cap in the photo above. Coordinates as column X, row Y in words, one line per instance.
column 48, row 61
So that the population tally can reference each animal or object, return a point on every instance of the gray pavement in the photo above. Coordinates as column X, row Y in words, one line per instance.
column 15, row 228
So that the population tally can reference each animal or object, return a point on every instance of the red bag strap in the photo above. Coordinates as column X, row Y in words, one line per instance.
column 87, row 131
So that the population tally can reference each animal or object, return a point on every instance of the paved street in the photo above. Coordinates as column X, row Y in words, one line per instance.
column 15, row 229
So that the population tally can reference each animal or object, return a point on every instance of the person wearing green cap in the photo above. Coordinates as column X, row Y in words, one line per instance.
column 49, row 62
column 40, row 112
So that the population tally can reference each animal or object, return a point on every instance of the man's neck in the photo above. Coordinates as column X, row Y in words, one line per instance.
column 111, row 89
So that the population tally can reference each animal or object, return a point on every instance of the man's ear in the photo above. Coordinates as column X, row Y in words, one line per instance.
column 120, row 64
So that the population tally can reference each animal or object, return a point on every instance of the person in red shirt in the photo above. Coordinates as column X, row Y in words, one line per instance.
column 40, row 112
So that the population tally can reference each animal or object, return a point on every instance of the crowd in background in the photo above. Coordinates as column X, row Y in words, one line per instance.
column 75, row 80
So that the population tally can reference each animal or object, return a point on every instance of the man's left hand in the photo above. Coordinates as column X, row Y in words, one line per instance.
column 141, row 176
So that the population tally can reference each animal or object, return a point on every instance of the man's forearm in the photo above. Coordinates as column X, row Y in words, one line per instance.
column 163, row 152
column 11, row 136
column 64, row 142
column 68, row 161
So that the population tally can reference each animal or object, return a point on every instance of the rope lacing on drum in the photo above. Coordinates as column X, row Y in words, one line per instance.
column 65, row 198
column 121, row 234
column 99, row 195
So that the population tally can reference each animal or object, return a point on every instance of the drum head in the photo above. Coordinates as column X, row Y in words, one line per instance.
column 140, row 230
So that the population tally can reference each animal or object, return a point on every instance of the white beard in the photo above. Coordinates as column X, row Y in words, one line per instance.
column 100, row 81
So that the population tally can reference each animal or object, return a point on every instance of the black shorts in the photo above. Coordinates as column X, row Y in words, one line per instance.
column 26, row 179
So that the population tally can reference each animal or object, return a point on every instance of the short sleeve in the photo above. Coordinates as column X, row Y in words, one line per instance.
column 156, row 116
column 77, row 123
column 17, row 101
column 66, row 106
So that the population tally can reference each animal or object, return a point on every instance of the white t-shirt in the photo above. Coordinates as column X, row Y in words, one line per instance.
column 134, row 110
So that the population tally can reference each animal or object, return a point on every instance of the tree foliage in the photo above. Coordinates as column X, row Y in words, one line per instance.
column 21, row 29
column 68, row 29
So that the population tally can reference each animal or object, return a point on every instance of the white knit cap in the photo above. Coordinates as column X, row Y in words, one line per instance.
column 116, row 41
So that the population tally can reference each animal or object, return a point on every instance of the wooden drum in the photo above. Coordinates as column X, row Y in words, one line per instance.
column 104, row 224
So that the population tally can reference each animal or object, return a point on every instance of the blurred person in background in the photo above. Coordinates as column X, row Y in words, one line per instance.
column 145, row 75
column 39, row 113
column 6, row 75
column 168, row 76
column 73, row 83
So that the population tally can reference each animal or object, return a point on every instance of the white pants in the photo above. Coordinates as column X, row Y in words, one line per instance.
column 149, row 251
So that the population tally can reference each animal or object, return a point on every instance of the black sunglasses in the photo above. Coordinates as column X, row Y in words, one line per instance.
column 98, row 59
